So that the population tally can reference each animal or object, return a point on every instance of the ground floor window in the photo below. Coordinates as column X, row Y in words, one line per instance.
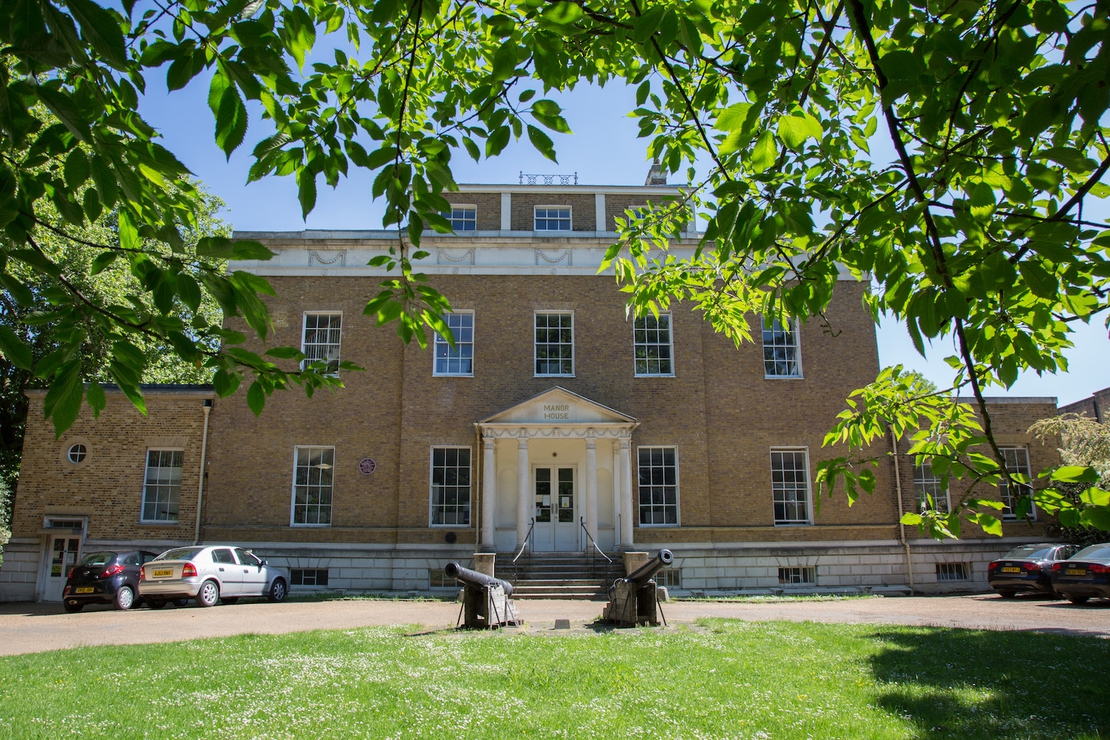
column 790, row 486
column 797, row 576
column 953, row 571
column 1016, row 460
column 930, row 491
column 312, row 485
column 162, row 485
column 658, row 474
column 308, row 576
column 450, row 485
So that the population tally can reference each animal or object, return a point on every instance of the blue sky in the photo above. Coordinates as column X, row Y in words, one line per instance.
column 603, row 150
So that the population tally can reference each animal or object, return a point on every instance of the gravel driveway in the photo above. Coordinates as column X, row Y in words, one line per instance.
column 29, row 628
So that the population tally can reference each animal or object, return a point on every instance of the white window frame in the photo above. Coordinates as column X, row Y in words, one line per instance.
column 432, row 506
column 785, row 522
column 441, row 345
column 463, row 209
column 925, row 482
column 547, row 217
column 338, row 345
column 536, row 345
column 677, row 488
column 797, row 346
column 159, row 484
column 649, row 345
column 1003, row 488
column 331, row 489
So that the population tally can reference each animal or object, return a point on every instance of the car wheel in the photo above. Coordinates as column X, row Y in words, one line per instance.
column 125, row 598
column 1007, row 594
column 73, row 606
column 209, row 594
column 155, row 603
column 1078, row 599
column 278, row 591
column 230, row 599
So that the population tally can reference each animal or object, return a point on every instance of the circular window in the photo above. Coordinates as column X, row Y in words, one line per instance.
column 77, row 453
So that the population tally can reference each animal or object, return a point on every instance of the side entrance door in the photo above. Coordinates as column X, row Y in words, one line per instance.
column 63, row 556
column 556, row 522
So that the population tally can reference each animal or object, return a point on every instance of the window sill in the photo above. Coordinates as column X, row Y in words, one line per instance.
column 658, row 526
column 158, row 523
column 793, row 524
column 310, row 526
column 784, row 377
column 553, row 376
column 653, row 375
column 452, row 375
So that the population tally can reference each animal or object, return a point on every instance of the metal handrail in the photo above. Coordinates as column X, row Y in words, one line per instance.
column 582, row 522
column 527, row 539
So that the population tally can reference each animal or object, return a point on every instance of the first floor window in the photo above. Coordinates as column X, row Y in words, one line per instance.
column 457, row 360
column 162, row 485
column 652, row 345
column 312, row 485
column 930, row 492
column 1016, row 461
column 463, row 218
column 554, row 344
column 658, row 469
column 451, row 485
column 321, row 339
column 781, row 358
column 552, row 218
column 790, row 486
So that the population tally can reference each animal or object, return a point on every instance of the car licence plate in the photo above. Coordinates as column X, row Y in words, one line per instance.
column 85, row 589
column 162, row 573
column 1011, row 570
column 1076, row 572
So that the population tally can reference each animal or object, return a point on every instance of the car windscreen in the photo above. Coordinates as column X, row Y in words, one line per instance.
column 97, row 558
column 180, row 553
column 1029, row 552
column 1094, row 552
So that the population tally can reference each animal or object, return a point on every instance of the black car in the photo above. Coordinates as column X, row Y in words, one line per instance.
column 105, row 577
column 1085, row 574
column 1027, row 568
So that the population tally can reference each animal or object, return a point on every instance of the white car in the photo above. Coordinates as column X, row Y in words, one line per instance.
column 210, row 574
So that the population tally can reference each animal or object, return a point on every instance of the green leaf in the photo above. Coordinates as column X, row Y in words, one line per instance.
column 226, row 382
column 13, row 348
column 128, row 233
column 1041, row 282
column 794, row 130
column 256, row 398
column 1099, row 518
column 1095, row 497
column 563, row 13
column 1074, row 474
column 94, row 394
column 765, row 152
column 20, row 292
column 102, row 262
column 306, row 191
column 231, row 121
column 101, row 30
column 504, row 60
column 542, row 142
column 285, row 353
column 62, row 403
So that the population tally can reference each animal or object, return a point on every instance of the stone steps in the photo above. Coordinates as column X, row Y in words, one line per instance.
column 561, row 576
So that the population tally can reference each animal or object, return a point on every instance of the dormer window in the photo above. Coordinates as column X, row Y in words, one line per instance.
column 463, row 218
column 552, row 218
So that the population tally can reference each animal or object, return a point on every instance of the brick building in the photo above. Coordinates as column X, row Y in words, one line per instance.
column 555, row 416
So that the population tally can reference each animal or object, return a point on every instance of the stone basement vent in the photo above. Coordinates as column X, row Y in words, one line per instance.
column 794, row 576
column 953, row 571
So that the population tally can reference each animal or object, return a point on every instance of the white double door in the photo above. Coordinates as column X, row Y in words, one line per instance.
column 556, row 498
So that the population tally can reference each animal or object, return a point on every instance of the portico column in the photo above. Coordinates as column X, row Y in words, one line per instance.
column 617, row 516
column 489, row 493
column 523, row 498
column 626, row 493
column 591, row 488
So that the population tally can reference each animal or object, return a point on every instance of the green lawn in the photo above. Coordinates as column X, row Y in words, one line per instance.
column 720, row 679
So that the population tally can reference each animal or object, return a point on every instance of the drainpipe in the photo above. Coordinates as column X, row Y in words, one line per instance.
column 901, row 527
column 203, row 455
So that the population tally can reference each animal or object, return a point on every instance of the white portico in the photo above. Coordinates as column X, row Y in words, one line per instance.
column 563, row 461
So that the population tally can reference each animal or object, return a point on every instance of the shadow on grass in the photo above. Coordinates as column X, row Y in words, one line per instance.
column 982, row 684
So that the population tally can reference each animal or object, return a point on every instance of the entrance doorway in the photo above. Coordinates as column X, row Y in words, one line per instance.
column 556, row 513
column 63, row 556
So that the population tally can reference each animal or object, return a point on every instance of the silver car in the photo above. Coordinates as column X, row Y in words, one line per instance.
column 210, row 574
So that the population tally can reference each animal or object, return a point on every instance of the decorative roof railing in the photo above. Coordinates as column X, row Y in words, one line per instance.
column 526, row 179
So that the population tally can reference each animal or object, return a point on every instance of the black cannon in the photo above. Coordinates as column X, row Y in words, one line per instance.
column 634, row 599
column 485, row 599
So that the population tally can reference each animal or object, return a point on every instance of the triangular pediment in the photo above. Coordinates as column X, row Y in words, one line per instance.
column 558, row 406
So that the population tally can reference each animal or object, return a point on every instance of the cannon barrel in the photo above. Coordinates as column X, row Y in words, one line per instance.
column 647, row 571
column 474, row 578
